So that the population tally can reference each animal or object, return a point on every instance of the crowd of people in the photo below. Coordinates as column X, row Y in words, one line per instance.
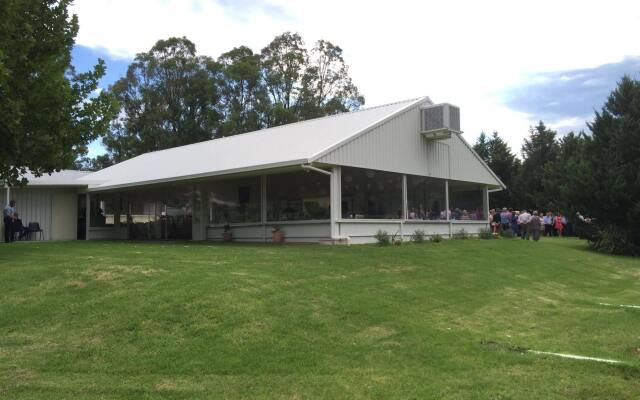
column 528, row 225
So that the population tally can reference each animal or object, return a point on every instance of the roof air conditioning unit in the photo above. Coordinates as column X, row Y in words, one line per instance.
column 439, row 121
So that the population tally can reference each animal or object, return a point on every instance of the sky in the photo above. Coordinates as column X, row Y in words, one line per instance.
column 507, row 64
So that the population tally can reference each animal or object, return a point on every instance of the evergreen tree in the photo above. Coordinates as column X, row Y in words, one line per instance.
column 608, row 176
column 498, row 156
column 537, row 179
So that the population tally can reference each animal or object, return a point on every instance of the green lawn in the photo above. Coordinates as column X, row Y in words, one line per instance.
column 118, row 320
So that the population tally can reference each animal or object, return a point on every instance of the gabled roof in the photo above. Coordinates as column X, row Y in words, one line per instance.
column 280, row 146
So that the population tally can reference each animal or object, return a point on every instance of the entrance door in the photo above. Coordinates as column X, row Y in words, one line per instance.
column 82, row 217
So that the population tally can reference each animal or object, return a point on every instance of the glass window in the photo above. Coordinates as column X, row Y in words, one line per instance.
column 371, row 194
column 298, row 196
column 145, row 208
column 103, row 209
column 161, row 213
column 426, row 198
column 234, row 200
column 465, row 201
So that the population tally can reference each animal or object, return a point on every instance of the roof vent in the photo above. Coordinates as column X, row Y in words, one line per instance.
column 438, row 121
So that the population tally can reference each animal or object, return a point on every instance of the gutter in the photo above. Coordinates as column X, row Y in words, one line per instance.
column 309, row 167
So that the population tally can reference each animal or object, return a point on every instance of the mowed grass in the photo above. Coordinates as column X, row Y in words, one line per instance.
column 123, row 320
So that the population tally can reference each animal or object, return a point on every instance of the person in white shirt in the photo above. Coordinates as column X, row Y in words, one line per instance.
column 523, row 222
column 8, row 217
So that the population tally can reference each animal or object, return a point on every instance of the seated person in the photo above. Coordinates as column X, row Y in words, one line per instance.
column 19, row 229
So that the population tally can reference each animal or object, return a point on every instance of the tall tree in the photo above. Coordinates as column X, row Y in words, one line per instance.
column 608, row 176
column 498, row 156
column 283, row 63
column 49, row 113
column 169, row 97
column 536, row 184
column 327, row 87
column 243, row 91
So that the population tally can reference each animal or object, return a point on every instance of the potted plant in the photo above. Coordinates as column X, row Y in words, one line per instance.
column 227, row 235
column 277, row 235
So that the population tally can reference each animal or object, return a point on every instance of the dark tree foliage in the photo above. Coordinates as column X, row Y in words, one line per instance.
column 169, row 97
column 49, row 113
column 536, row 184
column 606, row 179
column 283, row 63
column 498, row 156
column 243, row 91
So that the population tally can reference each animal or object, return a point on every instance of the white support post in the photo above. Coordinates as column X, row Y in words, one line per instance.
column 335, row 190
column 447, row 212
column 87, row 217
column 263, row 206
column 405, row 205
column 485, row 202
column 204, row 211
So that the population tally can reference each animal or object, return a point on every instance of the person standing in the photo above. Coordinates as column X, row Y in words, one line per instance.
column 505, row 217
column 534, row 226
column 548, row 224
column 8, row 214
column 557, row 224
column 514, row 222
column 523, row 222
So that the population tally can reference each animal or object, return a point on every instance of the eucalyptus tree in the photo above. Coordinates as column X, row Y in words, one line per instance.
column 170, row 96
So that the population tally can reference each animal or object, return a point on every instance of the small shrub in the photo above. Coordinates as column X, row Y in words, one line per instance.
column 397, row 242
column 418, row 236
column 460, row 235
column 382, row 238
column 507, row 234
column 436, row 238
column 485, row 233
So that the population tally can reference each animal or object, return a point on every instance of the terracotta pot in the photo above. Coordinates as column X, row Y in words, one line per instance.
column 227, row 236
column 277, row 236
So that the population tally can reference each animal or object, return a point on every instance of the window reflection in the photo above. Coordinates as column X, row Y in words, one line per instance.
column 103, row 209
column 234, row 200
column 465, row 200
column 298, row 196
column 426, row 198
column 371, row 194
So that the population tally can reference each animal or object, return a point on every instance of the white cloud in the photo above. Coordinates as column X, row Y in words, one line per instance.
column 463, row 52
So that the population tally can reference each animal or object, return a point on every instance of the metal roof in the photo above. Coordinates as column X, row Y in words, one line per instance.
column 280, row 146
column 65, row 177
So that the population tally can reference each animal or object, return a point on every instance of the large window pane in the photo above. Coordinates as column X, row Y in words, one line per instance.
column 426, row 198
column 465, row 200
column 146, row 209
column 103, row 209
column 234, row 200
column 178, row 212
column 298, row 196
column 371, row 194
column 161, row 213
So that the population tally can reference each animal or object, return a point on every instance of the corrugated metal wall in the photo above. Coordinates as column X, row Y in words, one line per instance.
column 34, row 205
column 397, row 146
column 37, row 205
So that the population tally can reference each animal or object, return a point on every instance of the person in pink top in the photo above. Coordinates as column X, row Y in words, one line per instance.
column 557, row 224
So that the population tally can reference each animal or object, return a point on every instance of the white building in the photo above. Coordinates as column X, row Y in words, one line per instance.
column 398, row 168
